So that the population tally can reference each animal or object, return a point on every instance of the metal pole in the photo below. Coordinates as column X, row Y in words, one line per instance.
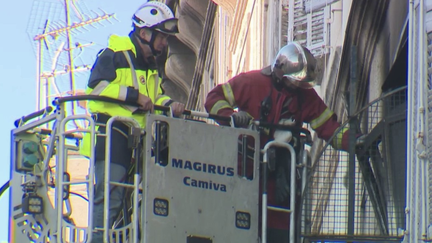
column 423, row 121
column 292, row 193
column 352, row 141
column 59, row 172
column 135, row 226
column 269, row 32
column 305, row 161
column 410, row 98
column 138, row 159
column 107, row 179
column 291, row 210
column 279, row 8
column 38, row 74
column 264, row 199
column 69, row 47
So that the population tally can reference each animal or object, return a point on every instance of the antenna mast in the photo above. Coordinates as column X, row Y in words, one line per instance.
column 62, row 60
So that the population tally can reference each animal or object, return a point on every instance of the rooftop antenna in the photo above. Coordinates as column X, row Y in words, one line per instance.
column 54, row 27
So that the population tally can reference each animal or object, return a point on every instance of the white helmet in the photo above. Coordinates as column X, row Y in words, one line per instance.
column 156, row 15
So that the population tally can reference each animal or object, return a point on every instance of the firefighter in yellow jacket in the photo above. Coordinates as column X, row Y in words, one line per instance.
column 127, row 71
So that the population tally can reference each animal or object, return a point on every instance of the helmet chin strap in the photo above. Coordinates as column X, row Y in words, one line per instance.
column 277, row 82
column 149, row 43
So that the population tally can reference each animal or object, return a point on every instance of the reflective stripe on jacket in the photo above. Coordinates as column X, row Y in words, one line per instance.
column 246, row 92
column 121, row 73
column 127, row 79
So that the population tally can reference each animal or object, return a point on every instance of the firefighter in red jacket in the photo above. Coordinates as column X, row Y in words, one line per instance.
column 277, row 92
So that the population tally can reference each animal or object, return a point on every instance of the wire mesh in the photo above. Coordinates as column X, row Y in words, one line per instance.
column 377, row 204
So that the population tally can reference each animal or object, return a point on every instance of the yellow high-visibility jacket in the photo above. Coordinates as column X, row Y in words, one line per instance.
column 120, row 72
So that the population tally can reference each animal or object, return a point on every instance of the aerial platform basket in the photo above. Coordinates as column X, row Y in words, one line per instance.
column 198, row 194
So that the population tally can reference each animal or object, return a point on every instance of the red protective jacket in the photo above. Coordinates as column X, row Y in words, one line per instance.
column 246, row 92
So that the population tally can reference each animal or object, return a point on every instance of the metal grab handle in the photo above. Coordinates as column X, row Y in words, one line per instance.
column 61, row 100
column 292, row 190
column 61, row 167
column 108, row 183
column 291, row 128
column 304, row 131
column 35, row 114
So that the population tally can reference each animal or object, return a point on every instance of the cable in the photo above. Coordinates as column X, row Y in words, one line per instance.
column 52, row 185
column 79, row 195
column 4, row 188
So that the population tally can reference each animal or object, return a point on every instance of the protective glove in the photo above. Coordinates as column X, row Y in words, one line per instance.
column 360, row 140
column 359, row 147
column 241, row 119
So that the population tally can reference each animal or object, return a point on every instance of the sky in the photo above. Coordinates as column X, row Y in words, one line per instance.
column 18, row 67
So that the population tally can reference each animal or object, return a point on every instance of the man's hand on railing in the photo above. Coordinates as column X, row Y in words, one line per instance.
column 145, row 102
column 177, row 108
column 180, row 107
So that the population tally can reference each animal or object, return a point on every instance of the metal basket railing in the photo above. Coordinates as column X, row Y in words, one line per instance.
column 373, row 210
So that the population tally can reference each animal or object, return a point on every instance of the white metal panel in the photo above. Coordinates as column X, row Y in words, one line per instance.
column 202, row 202
column 418, row 125
column 428, row 182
